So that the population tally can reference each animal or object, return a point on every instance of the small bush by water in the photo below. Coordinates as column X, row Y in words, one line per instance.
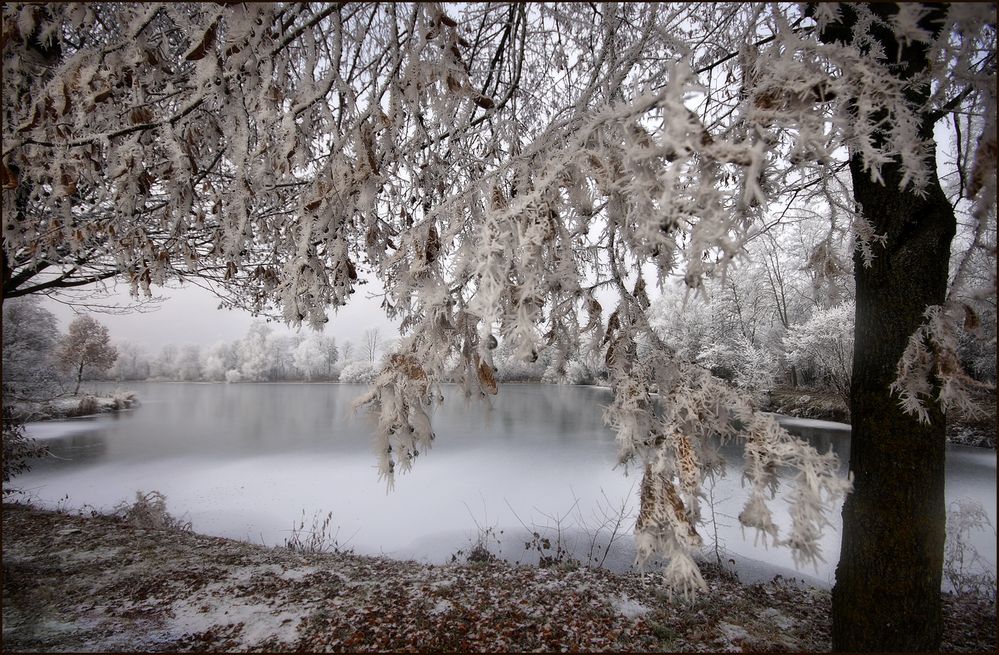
column 149, row 512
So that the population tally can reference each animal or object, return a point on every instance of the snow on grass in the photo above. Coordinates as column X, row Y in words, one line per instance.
column 777, row 618
column 442, row 607
column 259, row 622
column 629, row 608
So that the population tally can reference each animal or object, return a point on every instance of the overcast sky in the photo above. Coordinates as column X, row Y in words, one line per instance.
column 190, row 315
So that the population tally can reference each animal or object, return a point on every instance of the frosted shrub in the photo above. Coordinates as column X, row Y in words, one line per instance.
column 18, row 448
column 233, row 376
column 979, row 358
column 86, row 406
column 757, row 370
column 124, row 400
column 321, row 537
column 824, row 344
column 149, row 512
column 573, row 371
column 964, row 568
column 748, row 366
column 514, row 371
column 577, row 372
column 357, row 373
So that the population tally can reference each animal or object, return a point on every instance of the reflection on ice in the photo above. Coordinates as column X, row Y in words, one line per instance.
column 244, row 461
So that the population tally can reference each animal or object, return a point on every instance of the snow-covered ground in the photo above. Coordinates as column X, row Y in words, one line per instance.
column 99, row 584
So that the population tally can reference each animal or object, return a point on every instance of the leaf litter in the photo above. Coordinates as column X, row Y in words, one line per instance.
column 97, row 583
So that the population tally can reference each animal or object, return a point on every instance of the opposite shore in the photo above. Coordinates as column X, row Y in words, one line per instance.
column 802, row 403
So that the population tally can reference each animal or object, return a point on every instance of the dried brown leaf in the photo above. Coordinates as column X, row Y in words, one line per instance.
column 487, row 379
column 484, row 101
column 205, row 45
column 8, row 177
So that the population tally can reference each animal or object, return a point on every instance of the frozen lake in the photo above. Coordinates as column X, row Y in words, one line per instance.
column 245, row 460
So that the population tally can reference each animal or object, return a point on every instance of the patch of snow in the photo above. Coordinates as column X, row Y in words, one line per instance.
column 294, row 575
column 629, row 608
column 445, row 583
column 260, row 622
column 55, row 626
column 442, row 607
column 74, row 556
column 733, row 632
column 777, row 618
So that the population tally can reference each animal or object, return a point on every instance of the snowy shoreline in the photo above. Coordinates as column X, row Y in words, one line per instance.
column 83, row 405
column 98, row 583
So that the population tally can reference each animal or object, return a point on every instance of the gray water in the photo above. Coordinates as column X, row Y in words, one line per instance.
column 247, row 460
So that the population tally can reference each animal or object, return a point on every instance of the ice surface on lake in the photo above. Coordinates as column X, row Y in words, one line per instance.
column 245, row 460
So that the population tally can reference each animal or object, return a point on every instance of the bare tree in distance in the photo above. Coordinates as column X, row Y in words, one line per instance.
column 87, row 343
column 371, row 344
column 346, row 350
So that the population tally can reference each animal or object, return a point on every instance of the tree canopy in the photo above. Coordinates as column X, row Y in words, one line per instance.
column 500, row 168
column 86, row 344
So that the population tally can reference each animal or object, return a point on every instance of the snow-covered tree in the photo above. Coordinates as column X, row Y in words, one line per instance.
column 281, row 354
column 86, row 344
column 30, row 335
column 719, row 335
column 219, row 359
column 315, row 356
column 500, row 166
column 255, row 357
column 132, row 362
column 189, row 363
column 164, row 366
column 358, row 372
column 747, row 365
column 347, row 351
column 823, row 346
column 212, row 368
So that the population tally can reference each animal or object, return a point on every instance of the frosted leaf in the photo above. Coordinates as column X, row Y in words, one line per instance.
column 285, row 153
column 905, row 23
column 929, row 370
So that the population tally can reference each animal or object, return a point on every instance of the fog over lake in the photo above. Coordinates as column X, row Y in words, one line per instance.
column 245, row 460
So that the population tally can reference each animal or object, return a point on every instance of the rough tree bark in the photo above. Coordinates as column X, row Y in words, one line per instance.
column 887, row 591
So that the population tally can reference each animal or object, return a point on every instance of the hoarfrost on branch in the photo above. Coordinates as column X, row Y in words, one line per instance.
column 495, row 167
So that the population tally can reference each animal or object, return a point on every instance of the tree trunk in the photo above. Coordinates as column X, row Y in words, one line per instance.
column 79, row 378
column 887, row 591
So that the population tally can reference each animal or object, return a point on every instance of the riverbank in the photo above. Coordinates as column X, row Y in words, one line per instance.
column 962, row 429
column 99, row 583
column 86, row 404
